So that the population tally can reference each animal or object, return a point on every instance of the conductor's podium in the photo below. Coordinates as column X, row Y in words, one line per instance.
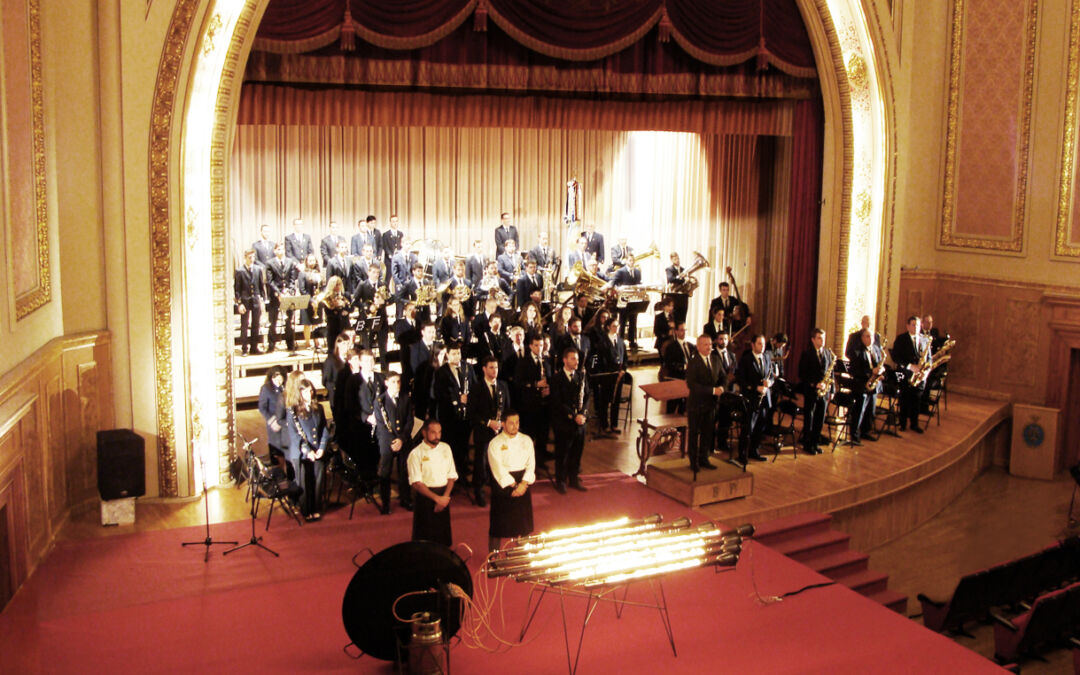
column 672, row 475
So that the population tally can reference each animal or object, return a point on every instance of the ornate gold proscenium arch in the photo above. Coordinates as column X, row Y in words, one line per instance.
column 198, row 82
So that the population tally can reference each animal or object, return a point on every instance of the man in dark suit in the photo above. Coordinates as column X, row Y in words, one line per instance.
column 406, row 333
column 452, row 383
column 358, row 270
column 329, row 245
column 368, row 385
column 402, row 265
column 406, row 291
column 488, row 400
column 393, row 431
column 509, row 263
column 620, row 252
column 298, row 245
column 663, row 323
column 475, row 265
column 577, row 339
column 569, row 405
column 366, row 234
column 865, row 363
column 506, row 231
column 530, row 286
column 490, row 340
column 543, row 254
column 675, row 274
column 854, row 340
column 248, row 296
column 513, row 351
column 628, row 275
column 594, row 242
column 911, row 353
column 677, row 353
column 727, row 302
column 281, row 276
column 814, row 363
column 579, row 255
column 392, row 239
column 611, row 362
column 703, row 373
column 441, row 271
column 264, row 245
column 754, row 374
column 373, row 314
column 339, row 265
column 532, row 376
column 420, row 370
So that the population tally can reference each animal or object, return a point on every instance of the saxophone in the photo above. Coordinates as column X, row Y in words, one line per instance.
column 941, row 357
column 826, row 383
column 927, row 365
column 875, row 377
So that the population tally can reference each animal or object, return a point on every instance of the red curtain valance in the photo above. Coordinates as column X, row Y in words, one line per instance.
column 716, row 32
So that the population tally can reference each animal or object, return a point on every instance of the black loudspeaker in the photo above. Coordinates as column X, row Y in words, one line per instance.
column 121, row 464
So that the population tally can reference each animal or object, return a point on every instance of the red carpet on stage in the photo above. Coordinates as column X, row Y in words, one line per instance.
column 142, row 603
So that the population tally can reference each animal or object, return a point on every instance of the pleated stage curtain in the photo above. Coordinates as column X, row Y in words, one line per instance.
column 723, row 195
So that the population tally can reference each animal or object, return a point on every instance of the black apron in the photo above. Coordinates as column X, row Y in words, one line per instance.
column 510, row 516
column 427, row 524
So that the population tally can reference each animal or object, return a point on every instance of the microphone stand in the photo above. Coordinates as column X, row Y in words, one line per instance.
column 209, row 541
column 254, row 541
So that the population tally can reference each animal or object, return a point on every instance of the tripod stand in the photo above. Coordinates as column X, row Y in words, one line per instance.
column 252, row 467
column 209, row 541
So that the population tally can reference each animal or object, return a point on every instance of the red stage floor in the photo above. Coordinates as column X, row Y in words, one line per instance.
column 141, row 603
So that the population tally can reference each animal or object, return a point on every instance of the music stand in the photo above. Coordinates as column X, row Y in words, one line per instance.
column 291, row 303
column 209, row 541
column 254, row 475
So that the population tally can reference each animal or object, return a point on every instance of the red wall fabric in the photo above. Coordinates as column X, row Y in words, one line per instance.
column 805, row 233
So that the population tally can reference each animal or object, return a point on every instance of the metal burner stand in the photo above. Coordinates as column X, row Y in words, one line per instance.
column 593, row 598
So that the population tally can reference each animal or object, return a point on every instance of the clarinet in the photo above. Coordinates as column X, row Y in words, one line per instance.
column 581, row 396
column 386, row 419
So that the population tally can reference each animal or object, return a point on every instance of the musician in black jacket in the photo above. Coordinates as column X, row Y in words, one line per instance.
column 372, row 323
column 911, row 353
column 663, row 323
column 298, row 244
column 452, row 383
column 420, row 369
column 628, row 275
column 489, row 342
column 248, row 296
column 854, row 340
column 676, row 274
column 814, row 363
column 530, row 285
column 864, row 363
column 281, row 276
column 569, row 405
column 611, row 363
column 594, row 243
column 393, row 430
column 532, row 376
column 328, row 247
column 544, row 255
column 506, row 231
column 577, row 339
column 339, row 265
column 475, row 265
column 367, row 385
column 406, row 333
column 392, row 239
column 754, row 374
column 488, row 400
column 703, row 374
column 677, row 353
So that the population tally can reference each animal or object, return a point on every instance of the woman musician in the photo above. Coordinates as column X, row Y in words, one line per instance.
column 311, row 282
column 334, row 306
column 308, row 438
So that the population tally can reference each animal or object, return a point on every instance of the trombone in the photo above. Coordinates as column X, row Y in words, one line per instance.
column 652, row 252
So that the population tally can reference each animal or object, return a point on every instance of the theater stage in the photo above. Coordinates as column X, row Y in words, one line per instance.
column 139, row 602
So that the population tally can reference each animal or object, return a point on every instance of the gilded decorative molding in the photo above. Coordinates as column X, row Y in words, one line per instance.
column 231, row 80
column 949, row 237
column 161, row 123
column 1062, row 245
column 844, row 90
column 32, row 300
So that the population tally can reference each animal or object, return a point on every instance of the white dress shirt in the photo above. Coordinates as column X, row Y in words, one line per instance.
column 432, row 466
column 506, row 454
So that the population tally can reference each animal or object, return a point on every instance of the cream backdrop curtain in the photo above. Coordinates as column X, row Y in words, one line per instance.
column 685, row 192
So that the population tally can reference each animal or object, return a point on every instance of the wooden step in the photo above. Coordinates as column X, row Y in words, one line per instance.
column 837, row 565
column 894, row 600
column 814, row 545
column 773, row 532
column 866, row 582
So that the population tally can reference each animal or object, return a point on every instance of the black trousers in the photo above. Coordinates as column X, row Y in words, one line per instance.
column 606, row 406
column 482, row 435
column 753, row 428
column 290, row 335
column 910, row 400
column 700, row 425
column 569, row 446
column 534, row 422
column 456, row 435
column 628, row 324
column 249, row 326
column 814, row 407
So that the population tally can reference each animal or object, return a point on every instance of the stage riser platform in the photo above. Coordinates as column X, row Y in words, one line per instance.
column 883, row 490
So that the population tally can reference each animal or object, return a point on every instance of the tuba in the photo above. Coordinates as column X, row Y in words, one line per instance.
column 588, row 284
column 688, row 283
